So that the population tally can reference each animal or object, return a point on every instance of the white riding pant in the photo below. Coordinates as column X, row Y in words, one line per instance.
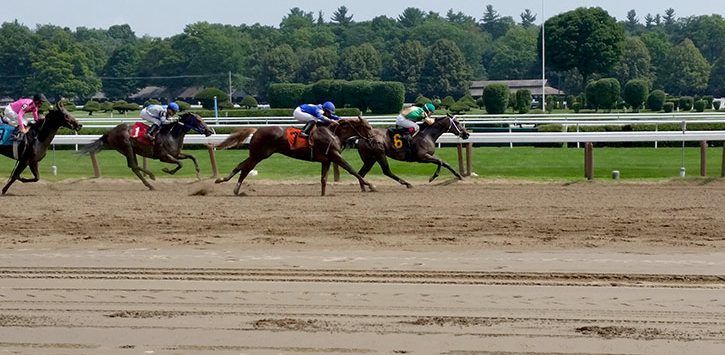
column 11, row 117
column 406, row 123
column 303, row 117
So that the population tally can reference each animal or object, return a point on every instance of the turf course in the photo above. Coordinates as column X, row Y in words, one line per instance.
column 519, row 163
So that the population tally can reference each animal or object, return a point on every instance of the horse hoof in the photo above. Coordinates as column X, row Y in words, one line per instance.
column 409, row 186
column 372, row 188
column 219, row 181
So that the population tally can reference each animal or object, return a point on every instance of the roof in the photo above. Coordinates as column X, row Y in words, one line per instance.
column 533, row 85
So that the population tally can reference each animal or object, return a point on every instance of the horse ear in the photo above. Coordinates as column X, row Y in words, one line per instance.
column 59, row 105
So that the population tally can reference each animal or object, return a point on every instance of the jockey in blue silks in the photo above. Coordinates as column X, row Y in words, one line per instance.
column 311, row 114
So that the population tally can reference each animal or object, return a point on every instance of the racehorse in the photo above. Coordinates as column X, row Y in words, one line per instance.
column 34, row 148
column 129, row 141
column 424, row 144
column 325, row 146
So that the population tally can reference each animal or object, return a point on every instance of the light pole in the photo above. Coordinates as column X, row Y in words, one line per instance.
column 543, row 58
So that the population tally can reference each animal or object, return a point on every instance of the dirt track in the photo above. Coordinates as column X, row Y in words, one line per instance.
column 102, row 266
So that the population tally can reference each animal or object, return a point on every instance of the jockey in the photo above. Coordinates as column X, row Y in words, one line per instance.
column 409, row 117
column 158, row 116
column 311, row 114
column 15, row 112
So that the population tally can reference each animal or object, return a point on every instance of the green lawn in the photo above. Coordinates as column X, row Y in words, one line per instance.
column 517, row 163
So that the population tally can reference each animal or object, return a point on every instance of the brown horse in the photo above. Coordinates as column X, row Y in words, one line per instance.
column 424, row 144
column 326, row 147
column 166, row 147
column 38, row 139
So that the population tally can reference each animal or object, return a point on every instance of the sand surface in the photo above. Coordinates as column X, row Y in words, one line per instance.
column 473, row 267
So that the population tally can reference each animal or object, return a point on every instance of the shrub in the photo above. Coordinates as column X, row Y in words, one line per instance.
column 480, row 102
column 123, row 107
column 206, row 97
column 448, row 101
column 550, row 104
column 150, row 102
column 459, row 107
column 69, row 105
column 700, row 105
column 708, row 101
column 91, row 106
column 656, row 100
column 386, row 97
column 636, row 92
column 286, row 95
column 686, row 103
column 249, row 102
column 603, row 93
column 421, row 100
column 469, row 100
column 716, row 105
column 576, row 107
column 523, row 101
column 669, row 107
column 570, row 100
column 495, row 97
column 107, row 106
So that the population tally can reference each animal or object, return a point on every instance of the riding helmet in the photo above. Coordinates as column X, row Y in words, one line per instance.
column 429, row 107
column 329, row 106
column 174, row 106
column 40, row 97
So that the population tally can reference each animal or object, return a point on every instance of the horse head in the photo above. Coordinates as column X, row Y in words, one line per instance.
column 359, row 127
column 450, row 124
column 60, row 117
column 192, row 121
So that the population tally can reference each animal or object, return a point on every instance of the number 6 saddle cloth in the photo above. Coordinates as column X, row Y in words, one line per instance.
column 400, row 140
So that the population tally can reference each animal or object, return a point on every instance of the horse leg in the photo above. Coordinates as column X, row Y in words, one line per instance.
column 389, row 173
column 168, row 158
column 33, row 165
column 367, row 165
column 336, row 158
column 323, row 176
column 244, row 168
column 428, row 158
column 132, row 163
column 193, row 159
column 15, row 175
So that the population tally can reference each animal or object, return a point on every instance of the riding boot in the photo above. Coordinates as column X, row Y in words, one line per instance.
column 306, row 129
column 151, row 132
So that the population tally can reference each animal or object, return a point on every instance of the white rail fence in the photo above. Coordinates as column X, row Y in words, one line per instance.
column 588, row 138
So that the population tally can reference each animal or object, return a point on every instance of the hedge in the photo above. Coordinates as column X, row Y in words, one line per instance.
column 656, row 100
column 380, row 97
column 700, row 105
column 286, row 95
column 275, row 112
column 686, row 103
column 669, row 107
column 636, row 93
column 386, row 97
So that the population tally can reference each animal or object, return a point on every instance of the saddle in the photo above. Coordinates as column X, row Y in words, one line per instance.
column 295, row 140
column 402, row 141
column 138, row 133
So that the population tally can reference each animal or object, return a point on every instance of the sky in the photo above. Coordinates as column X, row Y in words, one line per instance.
column 163, row 18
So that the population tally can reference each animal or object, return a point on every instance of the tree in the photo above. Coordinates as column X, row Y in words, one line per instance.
column 121, row 66
column 635, row 62
column 206, row 97
column 523, row 101
column 446, row 73
column 340, row 16
column 669, row 17
column 494, row 24
column 685, row 71
column 17, row 42
column 411, row 17
column 648, row 21
column 460, row 18
column 716, row 85
column 360, row 63
column 603, row 93
column 122, row 33
column 706, row 32
column 318, row 64
column 659, row 47
column 281, row 65
column 587, row 39
column 515, row 55
column 636, row 93
column 632, row 24
column 528, row 19
column 297, row 19
column 656, row 100
column 406, row 65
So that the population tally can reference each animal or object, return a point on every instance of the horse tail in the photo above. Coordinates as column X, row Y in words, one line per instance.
column 236, row 139
column 94, row 147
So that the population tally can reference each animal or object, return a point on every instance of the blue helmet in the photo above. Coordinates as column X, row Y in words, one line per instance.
column 173, row 106
column 329, row 106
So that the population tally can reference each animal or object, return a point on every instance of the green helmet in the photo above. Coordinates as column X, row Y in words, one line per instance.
column 429, row 107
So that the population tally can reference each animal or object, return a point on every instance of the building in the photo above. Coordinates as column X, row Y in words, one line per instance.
column 534, row 86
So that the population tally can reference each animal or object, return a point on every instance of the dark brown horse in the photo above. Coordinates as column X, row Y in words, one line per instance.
column 166, row 147
column 376, row 150
column 326, row 148
column 38, row 138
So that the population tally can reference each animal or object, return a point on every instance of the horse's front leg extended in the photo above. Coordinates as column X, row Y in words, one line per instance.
column 33, row 165
column 428, row 158
column 193, row 160
column 15, row 175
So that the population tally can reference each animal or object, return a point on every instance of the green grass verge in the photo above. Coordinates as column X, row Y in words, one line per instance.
column 518, row 163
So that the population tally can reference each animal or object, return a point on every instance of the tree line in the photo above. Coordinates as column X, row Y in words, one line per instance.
column 432, row 54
